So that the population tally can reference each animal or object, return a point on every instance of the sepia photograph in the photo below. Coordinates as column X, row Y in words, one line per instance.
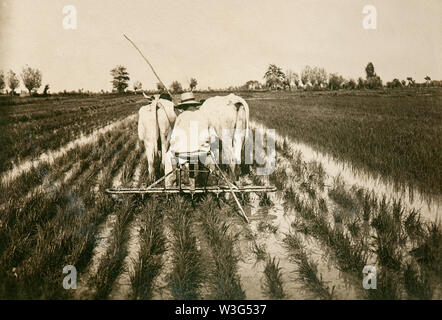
column 243, row 152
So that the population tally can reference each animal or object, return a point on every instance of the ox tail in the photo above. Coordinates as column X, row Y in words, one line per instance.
column 246, row 108
column 140, row 127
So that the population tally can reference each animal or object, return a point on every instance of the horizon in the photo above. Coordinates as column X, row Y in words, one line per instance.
column 192, row 39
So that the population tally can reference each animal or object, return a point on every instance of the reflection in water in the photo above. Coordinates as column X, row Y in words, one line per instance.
column 429, row 206
column 280, row 218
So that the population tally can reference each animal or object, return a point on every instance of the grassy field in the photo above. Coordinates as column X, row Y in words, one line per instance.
column 395, row 134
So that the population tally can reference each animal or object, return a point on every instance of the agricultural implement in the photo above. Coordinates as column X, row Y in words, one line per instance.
column 192, row 188
column 196, row 186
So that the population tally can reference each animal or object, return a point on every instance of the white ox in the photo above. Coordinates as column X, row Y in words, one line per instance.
column 225, row 117
column 155, row 121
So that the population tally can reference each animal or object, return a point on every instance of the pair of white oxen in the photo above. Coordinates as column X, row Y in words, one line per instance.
column 198, row 132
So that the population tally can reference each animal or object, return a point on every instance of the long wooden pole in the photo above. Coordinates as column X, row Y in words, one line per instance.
column 150, row 65
column 243, row 214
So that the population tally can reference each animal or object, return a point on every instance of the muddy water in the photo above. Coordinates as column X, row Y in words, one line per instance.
column 251, row 270
column 429, row 206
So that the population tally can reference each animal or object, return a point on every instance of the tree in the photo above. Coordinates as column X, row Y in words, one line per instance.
column 13, row 81
column 427, row 80
column 176, row 87
column 411, row 82
column 138, row 85
column 274, row 77
column 335, row 81
column 369, row 70
column 120, row 78
column 395, row 83
column 306, row 75
column 2, row 80
column 31, row 78
column 351, row 84
column 192, row 84
column 318, row 76
column 295, row 79
column 361, row 83
column 373, row 81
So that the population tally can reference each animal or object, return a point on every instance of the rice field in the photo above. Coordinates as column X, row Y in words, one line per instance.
column 309, row 240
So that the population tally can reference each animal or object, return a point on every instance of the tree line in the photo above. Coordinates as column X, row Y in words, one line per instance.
column 315, row 78
column 120, row 82
column 318, row 78
column 30, row 77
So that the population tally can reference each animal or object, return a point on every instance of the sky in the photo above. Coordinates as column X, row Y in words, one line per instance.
column 220, row 43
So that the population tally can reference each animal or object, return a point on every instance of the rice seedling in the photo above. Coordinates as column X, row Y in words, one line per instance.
column 265, row 226
column 413, row 225
column 389, row 237
column 429, row 252
column 273, row 284
column 307, row 271
column 417, row 284
column 259, row 250
column 343, row 198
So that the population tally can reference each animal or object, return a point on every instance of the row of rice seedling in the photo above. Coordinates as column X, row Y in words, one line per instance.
column 350, row 254
column 222, row 274
column 407, row 249
column 65, row 239
column 96, row 207
column 394, row 230
column 49, row 128
column 314, row 220
column 186, row 276
column 350, row 257
column 45, row 174
column 397, row 234
column 112, row 263
column 148, row 264
column 307, row 271
column 22, row 215
column 273, row 283
column 300, row 199
column 130, row 245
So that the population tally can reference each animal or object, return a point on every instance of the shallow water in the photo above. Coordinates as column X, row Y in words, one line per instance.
column 251, row 270
column 429, row 206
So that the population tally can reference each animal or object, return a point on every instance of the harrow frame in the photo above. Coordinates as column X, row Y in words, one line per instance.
column 229, row 187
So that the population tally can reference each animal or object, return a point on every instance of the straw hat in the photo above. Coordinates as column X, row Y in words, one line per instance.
column 188, row 99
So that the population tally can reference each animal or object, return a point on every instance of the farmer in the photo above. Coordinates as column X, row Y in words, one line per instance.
column 188, row 102
column 189, row 139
